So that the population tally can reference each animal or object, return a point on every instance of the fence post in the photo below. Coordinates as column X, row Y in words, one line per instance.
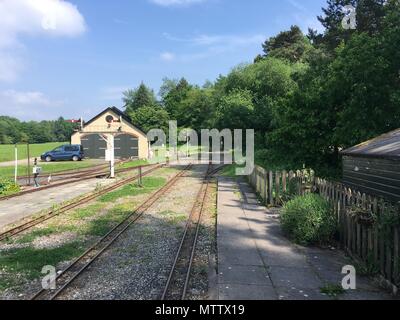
column 265, row 182
column 270, row 186
column 284, row 181
column 277, row 187
column 396, row 266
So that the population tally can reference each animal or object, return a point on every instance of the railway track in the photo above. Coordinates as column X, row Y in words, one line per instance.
column 179, row 276
column 53, row 213
column 73, row 172
column 73, row 179
column 78, row 266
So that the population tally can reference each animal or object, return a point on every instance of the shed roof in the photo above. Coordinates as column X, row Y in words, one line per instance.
column 386, row 146
column 118, row 112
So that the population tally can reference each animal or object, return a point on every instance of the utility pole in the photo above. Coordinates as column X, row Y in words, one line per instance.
column 29, row 164
column 16, row 163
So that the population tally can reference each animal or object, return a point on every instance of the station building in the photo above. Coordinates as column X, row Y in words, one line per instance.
column 130, row 142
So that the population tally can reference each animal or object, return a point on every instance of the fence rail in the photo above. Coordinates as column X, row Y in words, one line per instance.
column 368, row 226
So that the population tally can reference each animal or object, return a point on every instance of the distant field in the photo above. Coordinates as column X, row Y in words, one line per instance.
column 7, row 150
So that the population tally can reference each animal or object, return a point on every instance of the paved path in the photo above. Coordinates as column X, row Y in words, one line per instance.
column 256, row 262
column 12, row 163
column 15, row 209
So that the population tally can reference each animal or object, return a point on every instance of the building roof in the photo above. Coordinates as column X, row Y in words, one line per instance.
column 386, row 146
column 118, row 113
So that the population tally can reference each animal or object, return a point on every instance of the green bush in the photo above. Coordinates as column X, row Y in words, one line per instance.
column 308, row 220
column 8, row 186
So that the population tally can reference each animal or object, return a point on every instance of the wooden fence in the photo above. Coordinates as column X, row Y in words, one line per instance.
column 368, row 226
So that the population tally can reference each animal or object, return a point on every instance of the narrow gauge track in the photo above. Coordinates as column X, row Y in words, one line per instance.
column 77, row 267
column 73, row 179
column 179, row 276
column 53, row 213
column 74, row 172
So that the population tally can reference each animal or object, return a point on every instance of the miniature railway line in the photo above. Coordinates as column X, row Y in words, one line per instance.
column 179, row 276
column 53, row 213
column 92, row 174
column 70, row 173
column 65, row 279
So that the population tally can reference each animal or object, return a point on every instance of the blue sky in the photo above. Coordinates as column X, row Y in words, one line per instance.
column 74, row 58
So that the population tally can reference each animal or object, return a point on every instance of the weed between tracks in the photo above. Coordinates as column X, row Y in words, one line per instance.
column 64, row 238
column 199, row 286
column 149, row 184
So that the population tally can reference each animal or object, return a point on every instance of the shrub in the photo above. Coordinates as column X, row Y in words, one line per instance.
column 308, row 220
column 291, row 192
column 8, row 186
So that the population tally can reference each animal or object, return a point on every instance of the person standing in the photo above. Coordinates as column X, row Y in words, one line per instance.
column 36, row 171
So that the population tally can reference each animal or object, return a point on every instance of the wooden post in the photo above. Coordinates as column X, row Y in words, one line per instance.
column 140, row 177
column 376, row 244
column 349, row 232
column 16, row 163
column 396, row 262
column 277, row 187
column 358, row 226
column 29, row 164
column 270, row 186
column 265, row 182
column 370, row 242
column 284, row 183
column 364, row 247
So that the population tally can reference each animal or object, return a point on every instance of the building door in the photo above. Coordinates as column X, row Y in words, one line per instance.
column 94, row 146
column 126, row 146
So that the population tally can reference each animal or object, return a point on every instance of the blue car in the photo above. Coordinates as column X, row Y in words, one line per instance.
column 66, row 152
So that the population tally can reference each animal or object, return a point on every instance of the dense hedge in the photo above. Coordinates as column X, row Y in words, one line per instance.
column 309, row 220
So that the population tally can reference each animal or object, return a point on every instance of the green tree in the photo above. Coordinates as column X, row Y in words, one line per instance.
column 343, row 102
column 197, row 110
column 269, row 82
column 148, row 118
column 175, row 97
column 369, row 15
column 167, row 86
column 138, row 98
column 289, row 45
column 236, row 110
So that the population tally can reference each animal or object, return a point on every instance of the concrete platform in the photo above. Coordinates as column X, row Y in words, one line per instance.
column 256, row 261
column 15, row 209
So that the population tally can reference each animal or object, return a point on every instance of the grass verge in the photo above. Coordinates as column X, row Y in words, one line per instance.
column 17, row 265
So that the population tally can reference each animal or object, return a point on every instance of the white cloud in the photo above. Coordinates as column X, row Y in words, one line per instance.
column 169, row 3
column 212, row 45
column 226, row 40
column 27, row 104
column 167, row 56
column 33, row 18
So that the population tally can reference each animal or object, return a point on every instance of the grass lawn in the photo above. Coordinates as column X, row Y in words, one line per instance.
column 132, row 164
column 7, row 150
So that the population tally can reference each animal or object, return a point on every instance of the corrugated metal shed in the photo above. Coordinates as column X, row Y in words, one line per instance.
column 386, row 146
column 373, row 167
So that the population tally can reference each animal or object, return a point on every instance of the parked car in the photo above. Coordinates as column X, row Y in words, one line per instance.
column 66, row 152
